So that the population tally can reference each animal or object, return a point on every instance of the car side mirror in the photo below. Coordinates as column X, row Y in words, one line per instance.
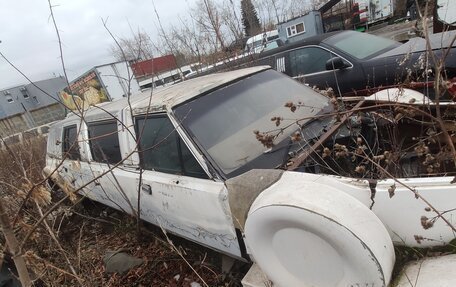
column 336, row 63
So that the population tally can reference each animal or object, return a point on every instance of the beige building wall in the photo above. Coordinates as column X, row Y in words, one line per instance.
column 23, row 122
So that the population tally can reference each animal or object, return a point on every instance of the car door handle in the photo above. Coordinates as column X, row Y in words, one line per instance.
column 146, row 188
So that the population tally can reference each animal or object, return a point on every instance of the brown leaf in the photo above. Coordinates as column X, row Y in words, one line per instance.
column 426, row 223
column 418, row 238
column 391, row 190
column 360, row 169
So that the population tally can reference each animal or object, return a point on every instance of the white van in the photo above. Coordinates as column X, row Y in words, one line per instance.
column 262, row 42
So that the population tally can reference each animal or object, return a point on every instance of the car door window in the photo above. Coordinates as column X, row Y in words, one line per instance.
column 161, row 148
column 189, row 164
column 308, row 60
column 104, row 142
column 70, row 143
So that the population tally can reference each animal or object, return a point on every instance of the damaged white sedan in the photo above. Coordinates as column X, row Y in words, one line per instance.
column 260, row 167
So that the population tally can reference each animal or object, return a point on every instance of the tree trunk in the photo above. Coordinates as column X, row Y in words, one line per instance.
column 13, row 246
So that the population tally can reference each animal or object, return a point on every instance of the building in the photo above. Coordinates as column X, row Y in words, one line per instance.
column 301, row 27
column 28, row 106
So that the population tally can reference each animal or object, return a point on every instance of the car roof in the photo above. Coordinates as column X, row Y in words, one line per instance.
column 313, row 40
column 164, row 99
column 319, row 38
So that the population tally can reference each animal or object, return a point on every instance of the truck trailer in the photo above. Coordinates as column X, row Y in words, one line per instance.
column 102, row 83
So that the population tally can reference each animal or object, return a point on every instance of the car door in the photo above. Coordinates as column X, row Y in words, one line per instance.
column 90, row 152
column 71, row 154
column 176, row 192
column 74, row 154
column 113, row 182
column 308, row 64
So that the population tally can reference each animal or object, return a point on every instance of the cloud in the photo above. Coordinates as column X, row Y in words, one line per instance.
column 30, row 42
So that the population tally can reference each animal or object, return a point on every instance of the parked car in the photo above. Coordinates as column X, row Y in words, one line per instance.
column 211, row 159
column 354, row 63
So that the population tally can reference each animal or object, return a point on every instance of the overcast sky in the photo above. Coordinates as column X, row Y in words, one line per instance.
column 29, row 41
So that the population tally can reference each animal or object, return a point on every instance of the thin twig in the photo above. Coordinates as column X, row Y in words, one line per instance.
column 182, row 256
column 59, row 246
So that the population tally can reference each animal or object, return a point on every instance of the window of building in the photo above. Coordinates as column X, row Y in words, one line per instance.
column 104, row 142
column 25, row 93
column 161, row 148
column 296, row 29
column 308, row 60
column 8, row 97
column 70, row 143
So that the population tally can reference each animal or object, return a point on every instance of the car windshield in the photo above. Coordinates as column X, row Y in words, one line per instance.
column 223, row 122
column 360, row 45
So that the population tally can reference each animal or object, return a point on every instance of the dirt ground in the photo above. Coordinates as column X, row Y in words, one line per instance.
column 89, row 230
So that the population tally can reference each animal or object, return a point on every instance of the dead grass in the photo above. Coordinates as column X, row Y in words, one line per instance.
column 86, row 231
column 22, row 162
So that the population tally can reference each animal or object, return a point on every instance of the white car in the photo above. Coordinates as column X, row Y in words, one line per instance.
column 208, row 159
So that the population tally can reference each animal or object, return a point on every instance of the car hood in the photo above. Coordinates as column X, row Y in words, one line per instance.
column 437, row 41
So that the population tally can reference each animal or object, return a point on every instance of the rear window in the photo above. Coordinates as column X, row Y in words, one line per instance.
column 361, row 45
column 104, row 142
